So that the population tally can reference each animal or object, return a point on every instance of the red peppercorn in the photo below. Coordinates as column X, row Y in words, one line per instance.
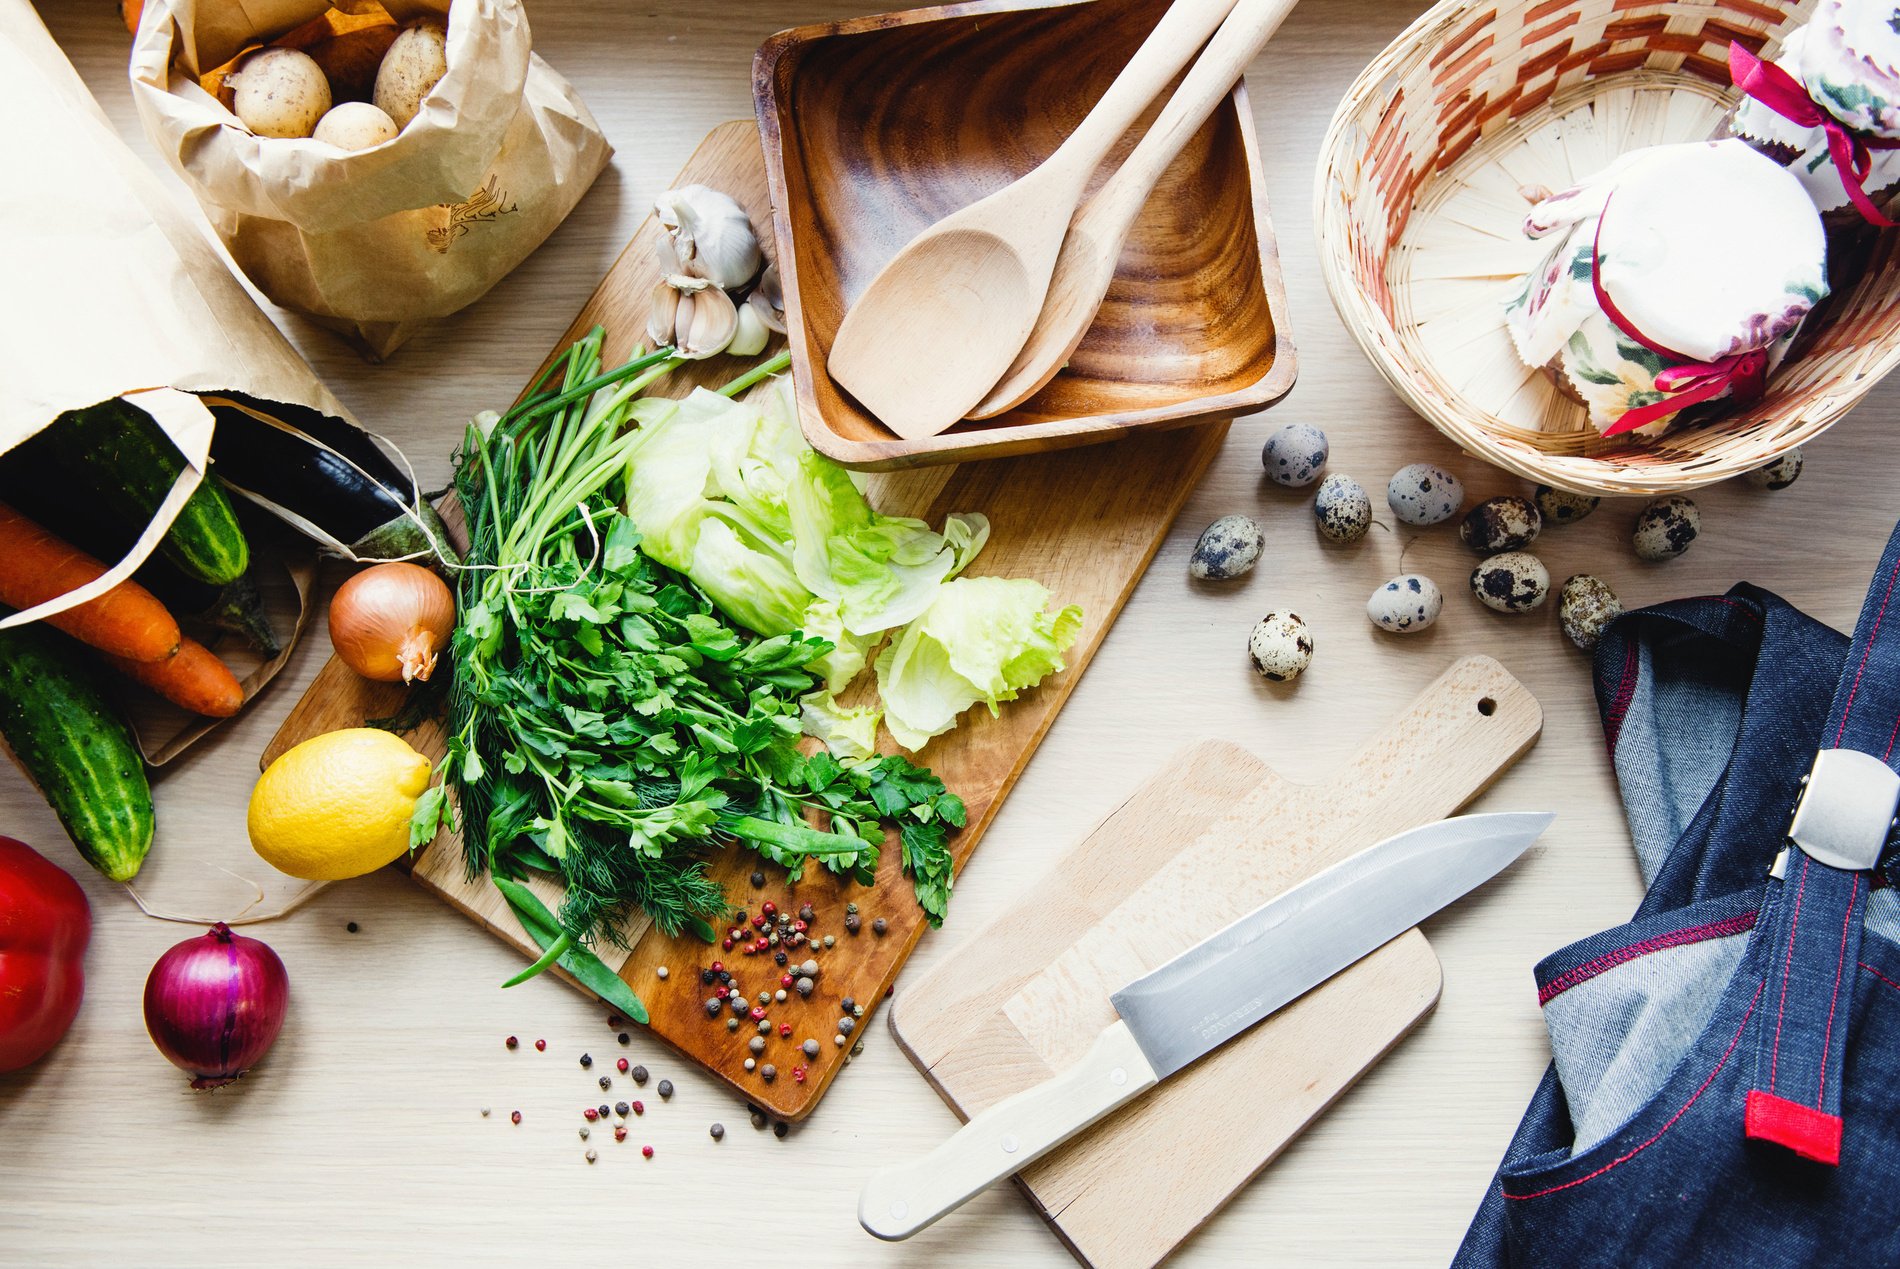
column 639, row 1108
column 541, row 1046
column 723, row 992
column 800, row 926
column 726, row 944
column 785, row 980
column 647, row 1151
column 515, row 1116
column 769, row 908
column 511, row 1042
column 761, row 944
column 621, row 1066
column 590, row 1114
column 784, row 1028
column 798, row 1073
column 718, row 967
column 748, row 950
column 756, row 1013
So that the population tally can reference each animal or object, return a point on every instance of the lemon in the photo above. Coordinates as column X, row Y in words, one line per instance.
column 338, row 805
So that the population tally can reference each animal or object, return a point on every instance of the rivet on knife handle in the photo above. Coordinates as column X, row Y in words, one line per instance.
column 1006, row 1138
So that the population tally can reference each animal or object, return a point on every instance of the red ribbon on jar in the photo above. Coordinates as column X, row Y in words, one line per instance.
column 1782, row 93
column 1744, row 374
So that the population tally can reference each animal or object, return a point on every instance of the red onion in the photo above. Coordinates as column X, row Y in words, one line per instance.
column 214, row 1005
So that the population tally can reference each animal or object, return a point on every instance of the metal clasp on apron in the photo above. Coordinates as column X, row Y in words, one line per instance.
column 1846, row 809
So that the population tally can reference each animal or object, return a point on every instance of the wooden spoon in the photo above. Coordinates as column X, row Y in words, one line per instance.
column 942, row 321
column 1086, row 264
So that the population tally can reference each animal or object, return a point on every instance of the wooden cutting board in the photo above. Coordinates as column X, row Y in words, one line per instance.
column 1213, row 835
column 1083, row 522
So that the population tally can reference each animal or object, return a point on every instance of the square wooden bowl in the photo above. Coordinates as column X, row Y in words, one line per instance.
column 877, row 127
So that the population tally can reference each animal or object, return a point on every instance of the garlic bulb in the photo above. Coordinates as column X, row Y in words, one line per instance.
column 768, row 301
column 692, row 315
column 710, row 235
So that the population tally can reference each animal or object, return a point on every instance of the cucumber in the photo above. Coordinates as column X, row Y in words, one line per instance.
column 119, row 457
column 60, row 726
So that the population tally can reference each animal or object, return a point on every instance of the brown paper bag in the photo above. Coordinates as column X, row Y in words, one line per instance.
column 113, row 291
column 377, row 242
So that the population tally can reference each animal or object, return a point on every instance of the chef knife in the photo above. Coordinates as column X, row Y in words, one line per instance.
column 1203, row 998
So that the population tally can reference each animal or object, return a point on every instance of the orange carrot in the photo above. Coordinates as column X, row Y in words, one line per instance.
column 191, row 677
column 127, row 621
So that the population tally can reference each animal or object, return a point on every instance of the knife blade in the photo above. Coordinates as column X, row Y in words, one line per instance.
column 1204, row 997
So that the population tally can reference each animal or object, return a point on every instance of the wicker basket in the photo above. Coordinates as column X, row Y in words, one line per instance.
column 1422, row 193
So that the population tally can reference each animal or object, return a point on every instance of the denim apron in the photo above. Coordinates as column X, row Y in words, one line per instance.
column 1725, row 1089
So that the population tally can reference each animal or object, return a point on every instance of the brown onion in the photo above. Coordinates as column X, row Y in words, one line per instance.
column 389, row 621
column 214, row 1005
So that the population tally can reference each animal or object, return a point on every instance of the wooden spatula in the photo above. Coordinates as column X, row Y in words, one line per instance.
column 942, row 321
column 1086, row 263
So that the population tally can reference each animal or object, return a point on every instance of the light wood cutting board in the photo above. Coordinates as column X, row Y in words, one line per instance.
column 1084, row 522
column 1213, row 835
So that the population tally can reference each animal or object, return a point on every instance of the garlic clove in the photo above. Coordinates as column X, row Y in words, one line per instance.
column 768, row 300
column 706, row 322
column 751, row 335
column 710, row 234
column 663, row 317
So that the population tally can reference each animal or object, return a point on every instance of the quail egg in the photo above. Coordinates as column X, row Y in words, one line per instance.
column 1228, row 548
column 1423, row 494
column 1585, row 606
column 1560, row 507
column 1342, row 508
column 1506, row 523
column 1281, row 647
column 1514, row 582
column 1294, row 455
column 1405, row 604
column 1665, row 528
column 1781, row 473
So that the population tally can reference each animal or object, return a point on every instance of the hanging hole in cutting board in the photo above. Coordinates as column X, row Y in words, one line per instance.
column 1487, row 706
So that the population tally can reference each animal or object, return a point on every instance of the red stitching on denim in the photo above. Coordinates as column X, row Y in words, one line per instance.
column 1891, row 737
column 1610, row 960
column 1634, row 1151
column 1827, row 1036
column 1742, row 608
column 1774, row 1054
column 1625, row 693
column 1893, row 574
column 1882, row 977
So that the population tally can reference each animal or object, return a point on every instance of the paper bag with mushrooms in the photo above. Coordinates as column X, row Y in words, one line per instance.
column 372, row 165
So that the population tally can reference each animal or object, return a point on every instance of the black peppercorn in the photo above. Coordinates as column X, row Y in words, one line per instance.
column 605, row 1083
column 707, row 977
column 780, row 1128
column 768, row 1072
column 878, row 927
column 640, row 1075
column 666, row 1089
column 624, row 1038
column 778, row 958
column 351, row 927
column 621, row 1109
column 587, row 1060
column 717, row 1132
column 806, row 915
column 852, row 922
column 753, row 1112
column 848, row 1004
column 758, row 879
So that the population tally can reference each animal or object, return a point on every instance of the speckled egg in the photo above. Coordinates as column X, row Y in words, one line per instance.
column 1506, row 523
column 1228, row 548
column 1585, row 606
column 1405, row 604
column 1560, row 507
column 1665, row 528
column 1514, row 582
column 1342, row 508
column 1281, row 647
column 1781, row 473
column 1422, row 494
column 1294, row 455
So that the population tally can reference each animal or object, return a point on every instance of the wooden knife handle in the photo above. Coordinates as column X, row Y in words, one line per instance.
column 1006, row 1138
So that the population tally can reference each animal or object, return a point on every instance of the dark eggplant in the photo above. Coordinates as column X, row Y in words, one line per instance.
column 347, row 494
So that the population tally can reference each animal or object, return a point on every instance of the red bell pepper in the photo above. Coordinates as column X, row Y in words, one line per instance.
column 45, row 924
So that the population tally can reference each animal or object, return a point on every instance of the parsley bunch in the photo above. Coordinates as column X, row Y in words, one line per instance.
column 607, row 724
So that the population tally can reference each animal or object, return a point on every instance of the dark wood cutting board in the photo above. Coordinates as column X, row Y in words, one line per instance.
column 1083, row 522
column 1213, row 835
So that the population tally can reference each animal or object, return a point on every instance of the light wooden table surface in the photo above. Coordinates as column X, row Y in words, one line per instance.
column 361, row 1137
